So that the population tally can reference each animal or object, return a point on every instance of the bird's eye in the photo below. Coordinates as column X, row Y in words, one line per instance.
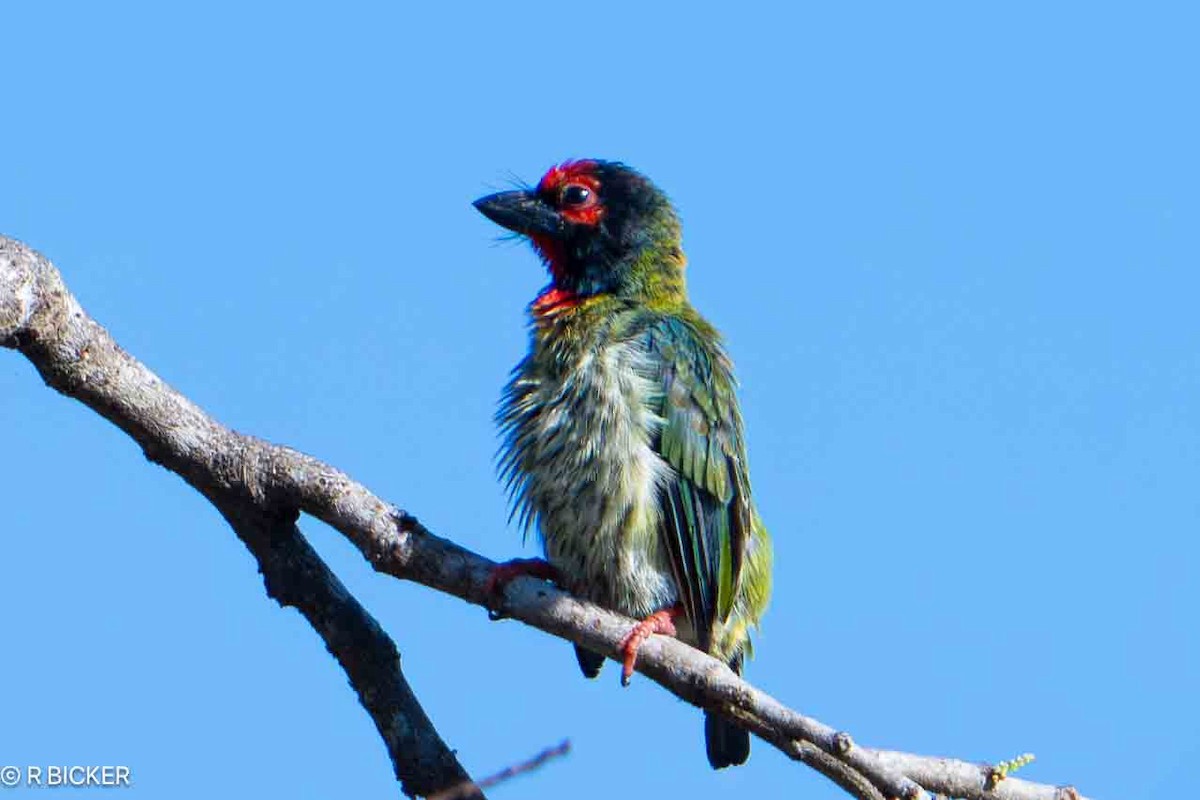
column 575, row 195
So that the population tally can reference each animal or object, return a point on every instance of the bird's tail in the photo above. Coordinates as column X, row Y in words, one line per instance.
column 589, row 661
column 728, row 744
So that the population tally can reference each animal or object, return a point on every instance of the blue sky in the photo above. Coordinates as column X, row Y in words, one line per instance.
column 953, row 249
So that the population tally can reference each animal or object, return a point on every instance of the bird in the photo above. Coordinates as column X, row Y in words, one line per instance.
column 623, row 442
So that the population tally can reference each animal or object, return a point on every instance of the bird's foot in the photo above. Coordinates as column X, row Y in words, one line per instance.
column 659, row 622
column 505, row 573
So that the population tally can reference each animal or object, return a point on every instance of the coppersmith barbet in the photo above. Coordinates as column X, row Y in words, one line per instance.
column 623, row 442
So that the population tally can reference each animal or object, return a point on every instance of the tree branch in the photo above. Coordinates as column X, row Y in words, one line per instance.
column 76, row 356
column 253, row 480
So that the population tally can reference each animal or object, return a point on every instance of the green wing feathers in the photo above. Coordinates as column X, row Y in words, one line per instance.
column 709, row 524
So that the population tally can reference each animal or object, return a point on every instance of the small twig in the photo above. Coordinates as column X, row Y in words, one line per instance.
column 1003, row 769
column 464, row 790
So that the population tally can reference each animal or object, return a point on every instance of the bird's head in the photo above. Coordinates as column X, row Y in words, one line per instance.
column 601, row 228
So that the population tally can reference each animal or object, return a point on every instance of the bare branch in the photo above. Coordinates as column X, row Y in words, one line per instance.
column 39, row 317
column 78, row 357
column 296, row 576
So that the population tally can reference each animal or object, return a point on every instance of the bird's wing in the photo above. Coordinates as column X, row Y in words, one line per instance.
column 705, row 503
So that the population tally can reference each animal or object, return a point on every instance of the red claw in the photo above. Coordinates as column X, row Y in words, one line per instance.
column 659, row 622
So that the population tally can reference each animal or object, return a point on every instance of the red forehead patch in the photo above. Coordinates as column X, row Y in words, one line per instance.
column 580, row 171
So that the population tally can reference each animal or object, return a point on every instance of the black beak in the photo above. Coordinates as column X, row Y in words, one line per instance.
column 523, row 212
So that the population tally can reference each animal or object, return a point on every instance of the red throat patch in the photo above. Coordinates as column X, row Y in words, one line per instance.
column 552, row 302
column 551, row 253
